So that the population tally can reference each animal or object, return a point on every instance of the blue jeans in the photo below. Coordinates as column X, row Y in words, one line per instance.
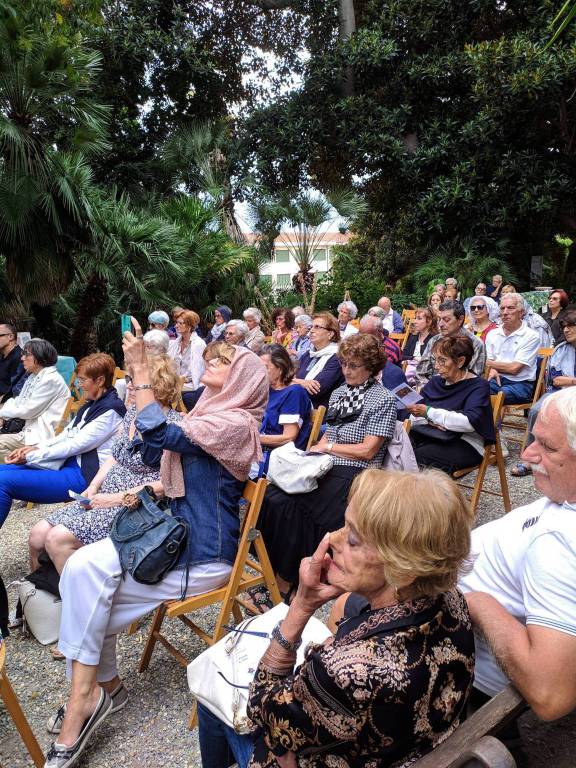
column 43, row 486
column 514, row 391
column 220, row 745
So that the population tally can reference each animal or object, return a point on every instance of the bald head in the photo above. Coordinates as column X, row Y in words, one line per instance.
column 384, row 303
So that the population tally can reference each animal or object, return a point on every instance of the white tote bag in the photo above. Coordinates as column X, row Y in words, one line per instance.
column 220, row 676
column 41, row 611
column 296, row 471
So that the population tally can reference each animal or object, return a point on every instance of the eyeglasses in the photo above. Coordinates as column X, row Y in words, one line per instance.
column 320, row 327
column 351, row 366
column 5, row 334
column 567, row 324
column 24, row 354
column 476, row 307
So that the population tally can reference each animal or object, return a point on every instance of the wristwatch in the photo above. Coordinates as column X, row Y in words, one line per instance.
column 330, row 446
column 281, row 640
column 142, row 386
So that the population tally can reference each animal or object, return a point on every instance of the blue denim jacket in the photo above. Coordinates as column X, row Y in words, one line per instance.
column 210, row 505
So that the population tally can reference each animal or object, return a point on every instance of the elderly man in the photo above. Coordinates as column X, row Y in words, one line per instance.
column 451, row 316
column 393, row 351
column 480, row 289
column 347, row 312
column 392, row 375
column 236, row 332
column 496, row 286
column 511, row 352
column 522, row 590
column 392, row 320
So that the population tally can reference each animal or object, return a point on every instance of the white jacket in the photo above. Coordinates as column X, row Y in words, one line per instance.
column 41, row 404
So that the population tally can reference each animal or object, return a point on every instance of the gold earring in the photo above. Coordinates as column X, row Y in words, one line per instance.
column 397, row 595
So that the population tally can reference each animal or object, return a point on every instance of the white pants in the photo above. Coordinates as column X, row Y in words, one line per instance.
column 97, row 603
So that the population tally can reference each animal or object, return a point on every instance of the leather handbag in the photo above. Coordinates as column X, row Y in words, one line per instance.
column 296, row 471
column 41, row 612
column 148, row 539
column 433, row 433
column 220, row 677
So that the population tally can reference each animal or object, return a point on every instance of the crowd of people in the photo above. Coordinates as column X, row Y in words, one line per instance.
column 204, row 410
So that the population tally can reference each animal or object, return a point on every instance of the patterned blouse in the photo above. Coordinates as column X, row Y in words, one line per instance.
column 392, row 685
column 377, row 418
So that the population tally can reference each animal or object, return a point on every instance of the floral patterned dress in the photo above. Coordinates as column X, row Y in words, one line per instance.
column 392, row 685
column 90, row 525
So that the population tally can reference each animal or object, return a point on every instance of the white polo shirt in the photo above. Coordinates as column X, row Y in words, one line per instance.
column 520, row 346
column 527, row 561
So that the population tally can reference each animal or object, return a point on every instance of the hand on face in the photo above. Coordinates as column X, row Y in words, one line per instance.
column 313, row 588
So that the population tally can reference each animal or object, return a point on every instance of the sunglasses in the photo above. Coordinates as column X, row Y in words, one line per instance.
column 476, row 307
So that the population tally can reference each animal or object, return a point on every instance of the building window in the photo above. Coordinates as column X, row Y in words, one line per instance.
column 282, row 257
column 319, row 254
column 282, row 281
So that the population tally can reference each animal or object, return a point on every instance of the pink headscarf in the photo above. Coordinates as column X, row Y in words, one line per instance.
column 225, row 423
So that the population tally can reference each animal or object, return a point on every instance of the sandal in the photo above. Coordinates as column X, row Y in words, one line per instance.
column 260, row 598
column 521, row 470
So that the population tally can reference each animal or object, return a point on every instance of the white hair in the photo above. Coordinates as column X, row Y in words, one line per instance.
column 303, row 320
column 565, row 403
column 374, row 319
column 452, row 281
column 240, row 326
column 253, row 312
column 156, row 341
column 376, row 312
column 519, row 300
column 350, row 306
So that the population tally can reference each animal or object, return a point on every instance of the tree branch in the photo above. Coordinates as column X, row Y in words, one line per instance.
column 272, row 5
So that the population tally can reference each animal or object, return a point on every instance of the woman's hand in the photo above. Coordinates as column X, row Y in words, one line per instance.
column 418, row 409
column 133, row 348
column 310, row 385
column 313, row 588
column 19, row 455
column 105, row 500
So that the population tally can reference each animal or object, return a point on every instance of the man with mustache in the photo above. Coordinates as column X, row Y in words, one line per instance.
column 521, row 591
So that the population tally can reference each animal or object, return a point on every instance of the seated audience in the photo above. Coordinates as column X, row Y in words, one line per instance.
column 221, row 316
column 392, row 321
column 394, row 682
column 373, row 325
column 186, row 352
column 236, row 332
column 298, row 310
column 495, row 289
column 320, row 372
column 302, row 324
column 451, row 317
column 347, row 312
column 171, row 330
column 451, row 285
column 561, row 374
column 511, row 352
column 440, row 289
column 521, row 591
column 483, row 312
column 254, row 339
column 131, row 466
column 480, row 289
column 555, row 312
column 45, row 472
column 360, row 421
column 456, row 414
column 158, row 320
column 156, row 342
column 10, row 354
column 434, row 301
column 34, row 414
column 537, row 323
column 508, row 288
column 424, row 328
column 288, row 414
column 283, row 333
column 204, row 469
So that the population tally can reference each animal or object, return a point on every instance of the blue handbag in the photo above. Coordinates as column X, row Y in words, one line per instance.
column 148, row 539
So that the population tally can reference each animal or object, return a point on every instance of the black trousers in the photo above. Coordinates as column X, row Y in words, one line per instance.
column 3, row 610
column 447, row 456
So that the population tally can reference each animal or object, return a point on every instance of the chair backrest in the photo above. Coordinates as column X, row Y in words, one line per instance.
column 408, row 315
column 118, row 374
column 399, row 338
column 317, row 417
column 544, row 353
column 497, row 402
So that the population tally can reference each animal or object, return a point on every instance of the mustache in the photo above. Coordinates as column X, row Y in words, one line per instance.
column 538, row 468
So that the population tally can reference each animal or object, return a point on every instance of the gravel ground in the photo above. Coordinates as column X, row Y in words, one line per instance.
column 151, row 731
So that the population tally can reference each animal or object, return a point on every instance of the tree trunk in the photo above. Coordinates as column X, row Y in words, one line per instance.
column 347, row 19
column 93, row 302
column 43, row 325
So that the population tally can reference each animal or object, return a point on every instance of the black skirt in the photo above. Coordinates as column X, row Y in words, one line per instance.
column 292, row 525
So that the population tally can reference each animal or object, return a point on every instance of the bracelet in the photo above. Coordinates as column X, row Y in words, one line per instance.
column 427, row 411
column 142, row 386
column 330, row 447
column 281, row 640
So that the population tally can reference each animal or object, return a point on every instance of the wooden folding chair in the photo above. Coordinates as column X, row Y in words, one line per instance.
column 399, row 338
column 516, row 409
column 407, row 316
column 246, row 572
column 118, row 374
column 18, row 717
column 492, row 456
column 317, row 417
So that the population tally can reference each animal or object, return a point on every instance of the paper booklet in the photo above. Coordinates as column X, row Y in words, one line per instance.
column 406, row 394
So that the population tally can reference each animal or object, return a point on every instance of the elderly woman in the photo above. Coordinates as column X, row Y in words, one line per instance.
column 158, row 320
column 236, row 332
column 156, row 342
column 186, row 351
column 454, row 423
column 347, row 311
column 555, row 312
column 302, row 324
column 131, row 466
column 319, row 371
column 360, row 422
column 46, row 471
column 283, row 333
column 538, row 324
column 483, row 312
column 207, row 459
column 32, row 416
column 254, row 339
column 394, row 681
column 221, row 316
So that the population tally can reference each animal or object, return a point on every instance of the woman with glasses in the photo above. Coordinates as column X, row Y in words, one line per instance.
column 131, row 466
column 561, row 374
column 483, row 313
column 283, row 333
column 186, row 351
column 46, row 471
column 554, row 313
column 319, row 370
column 360, row 422
column 33, row 415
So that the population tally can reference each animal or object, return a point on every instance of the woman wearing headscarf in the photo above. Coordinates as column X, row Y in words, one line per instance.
column 207, row 458
column 221, row 316
column 483, row 313
column 537, row 323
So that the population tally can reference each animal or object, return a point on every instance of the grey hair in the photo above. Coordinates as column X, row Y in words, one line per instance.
column 156, row 341
column 240, row 326
column 350, row 306
column 375, row 312
column 519, row 300
column 303, row 320
column 253, row 312
column 43, row 352
column 565, row 403
column 375, row 319
column 452, row 281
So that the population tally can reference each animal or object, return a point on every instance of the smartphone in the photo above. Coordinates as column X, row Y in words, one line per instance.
column 125, row 323
column 84, row 500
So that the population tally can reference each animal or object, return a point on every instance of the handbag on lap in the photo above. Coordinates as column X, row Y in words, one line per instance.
column 296, row 471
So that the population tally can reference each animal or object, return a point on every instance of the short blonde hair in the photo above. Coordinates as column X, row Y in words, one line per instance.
column 419, row 523
column 166, row 383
